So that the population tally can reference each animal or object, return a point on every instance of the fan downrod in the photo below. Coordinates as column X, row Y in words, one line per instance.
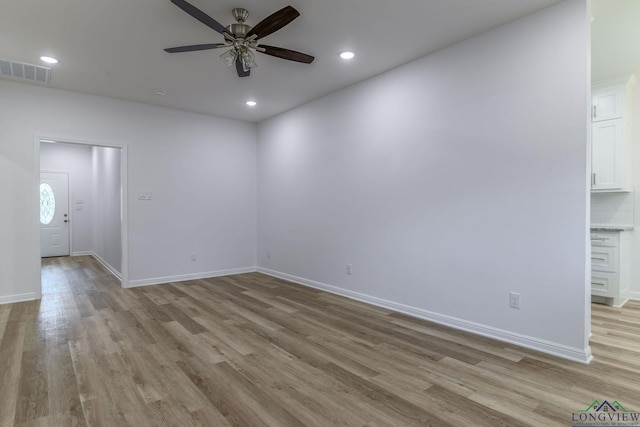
column 240, row 29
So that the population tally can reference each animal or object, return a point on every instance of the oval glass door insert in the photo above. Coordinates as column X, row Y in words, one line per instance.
column 47, row 204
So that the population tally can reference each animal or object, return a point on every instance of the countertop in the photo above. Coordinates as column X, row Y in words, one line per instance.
column 611, row 227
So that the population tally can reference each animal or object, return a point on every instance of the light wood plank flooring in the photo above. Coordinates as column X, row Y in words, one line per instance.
column 252, row 350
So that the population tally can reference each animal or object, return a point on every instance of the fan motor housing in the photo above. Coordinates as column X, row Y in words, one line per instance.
column 239, row 30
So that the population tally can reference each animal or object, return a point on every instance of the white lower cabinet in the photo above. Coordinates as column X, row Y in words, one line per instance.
column 609, row 267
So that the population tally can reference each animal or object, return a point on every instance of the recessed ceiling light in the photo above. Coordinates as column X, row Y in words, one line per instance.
column 347, row 55
column 48, row 60
column 160, row 92
column 251, row 103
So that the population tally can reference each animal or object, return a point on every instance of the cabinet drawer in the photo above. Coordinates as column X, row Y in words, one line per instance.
column 604, row 258
column 603, row 284
column 604, row 239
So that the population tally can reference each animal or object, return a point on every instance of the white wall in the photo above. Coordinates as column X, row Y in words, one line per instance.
column 75, row 159
column 447, row 183
column 19, row 251
column 107, row 230
column 201, row 170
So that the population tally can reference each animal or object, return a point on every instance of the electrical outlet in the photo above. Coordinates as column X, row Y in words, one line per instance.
column 194, row 256
column 349, row 269
column 514, row 300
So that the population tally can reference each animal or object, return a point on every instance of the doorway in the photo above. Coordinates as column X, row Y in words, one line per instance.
column 83, row 202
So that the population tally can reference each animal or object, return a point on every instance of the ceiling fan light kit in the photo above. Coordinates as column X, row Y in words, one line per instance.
column 242, row 39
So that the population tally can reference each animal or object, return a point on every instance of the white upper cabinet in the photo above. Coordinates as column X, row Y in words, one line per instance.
column 607, row 104
column 607, row 149
column 611, row 135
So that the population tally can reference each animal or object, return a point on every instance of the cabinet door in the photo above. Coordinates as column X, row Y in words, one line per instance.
column 606, row 155
column 607, row 104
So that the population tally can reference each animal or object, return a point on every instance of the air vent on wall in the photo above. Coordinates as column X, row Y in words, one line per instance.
column 21, row 70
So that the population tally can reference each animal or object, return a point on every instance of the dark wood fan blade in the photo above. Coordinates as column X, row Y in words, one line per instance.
column 200, row 16
column 291, row 55
column 240, row 69
column 195, row 47
column 274, row 22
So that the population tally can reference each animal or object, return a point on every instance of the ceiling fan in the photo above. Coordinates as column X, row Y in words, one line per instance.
column 242, row 39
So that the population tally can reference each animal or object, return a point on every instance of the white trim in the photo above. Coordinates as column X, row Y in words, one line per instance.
column 192, row 276
column 622, row 80
column 634, row 296
column 10, row 299
column 35, row 219
column 106, row 265
column 622, row 303
column 610, row 301
column 560, row 350
column 82, row 253
column 124, row 215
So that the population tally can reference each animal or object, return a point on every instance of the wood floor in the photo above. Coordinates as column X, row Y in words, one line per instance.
column 252, row 350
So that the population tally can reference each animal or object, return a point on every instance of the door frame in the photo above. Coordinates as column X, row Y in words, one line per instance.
column 70, row 229
column 124, row 222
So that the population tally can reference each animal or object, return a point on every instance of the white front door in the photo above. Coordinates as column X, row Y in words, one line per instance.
column 54, row 214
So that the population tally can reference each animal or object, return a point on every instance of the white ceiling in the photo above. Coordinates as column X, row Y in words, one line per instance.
column 115, row 48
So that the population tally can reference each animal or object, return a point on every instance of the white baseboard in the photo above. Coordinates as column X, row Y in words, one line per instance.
column 610, row 301
column 192, row 276
column 106, row 265
column 10, row 299
column 634, row 296
column 560, row 350
column 82, row 253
